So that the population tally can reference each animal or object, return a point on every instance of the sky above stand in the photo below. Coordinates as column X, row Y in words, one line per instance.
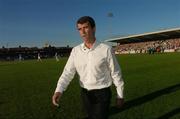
column 32, row 23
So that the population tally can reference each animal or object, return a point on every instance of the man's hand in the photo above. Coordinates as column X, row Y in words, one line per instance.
column 119, row 102
column 55, row 98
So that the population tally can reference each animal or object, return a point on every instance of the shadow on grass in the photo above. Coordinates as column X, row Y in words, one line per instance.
column 170, row 114
column 144, row 99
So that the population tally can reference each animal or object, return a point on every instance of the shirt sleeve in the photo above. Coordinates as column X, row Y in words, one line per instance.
column 67, row 75
column 116, row 73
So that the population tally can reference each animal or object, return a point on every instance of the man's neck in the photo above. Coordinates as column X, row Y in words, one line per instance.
column 90, row 43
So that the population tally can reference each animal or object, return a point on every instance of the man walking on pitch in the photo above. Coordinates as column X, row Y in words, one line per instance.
column 97, row 68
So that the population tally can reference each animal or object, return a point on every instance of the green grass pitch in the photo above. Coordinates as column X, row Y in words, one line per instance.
column 152, row 89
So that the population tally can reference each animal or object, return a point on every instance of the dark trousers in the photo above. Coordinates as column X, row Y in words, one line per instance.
column 96, row 102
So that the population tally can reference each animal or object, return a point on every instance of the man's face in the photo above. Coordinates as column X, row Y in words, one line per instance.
column 86, row 31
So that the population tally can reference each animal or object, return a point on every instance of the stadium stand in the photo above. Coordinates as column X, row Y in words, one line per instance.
column 159, row 41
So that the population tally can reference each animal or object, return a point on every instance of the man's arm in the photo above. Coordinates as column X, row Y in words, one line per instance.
column 117, row 77
column 64, row 80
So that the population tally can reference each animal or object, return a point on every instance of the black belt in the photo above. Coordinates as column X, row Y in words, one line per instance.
column 94, row 90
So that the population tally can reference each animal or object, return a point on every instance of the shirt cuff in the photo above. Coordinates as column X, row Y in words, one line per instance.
column 120, row 93
column 59, row 89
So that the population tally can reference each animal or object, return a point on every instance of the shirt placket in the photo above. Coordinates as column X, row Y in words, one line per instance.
column 89, row 65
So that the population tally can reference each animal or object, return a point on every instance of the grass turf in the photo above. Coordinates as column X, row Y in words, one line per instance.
column 152, row 89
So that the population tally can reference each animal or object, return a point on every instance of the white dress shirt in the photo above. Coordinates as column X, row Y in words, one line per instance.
column 97, row 68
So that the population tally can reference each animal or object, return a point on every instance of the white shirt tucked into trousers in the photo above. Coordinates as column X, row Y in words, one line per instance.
column 97, row 68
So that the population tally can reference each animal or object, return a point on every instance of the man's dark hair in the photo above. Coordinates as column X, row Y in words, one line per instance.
column 86, row 19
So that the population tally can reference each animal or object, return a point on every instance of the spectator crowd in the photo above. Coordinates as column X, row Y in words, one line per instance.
column 171, row 45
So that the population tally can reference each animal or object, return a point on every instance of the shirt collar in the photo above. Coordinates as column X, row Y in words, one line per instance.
column 85, row 49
